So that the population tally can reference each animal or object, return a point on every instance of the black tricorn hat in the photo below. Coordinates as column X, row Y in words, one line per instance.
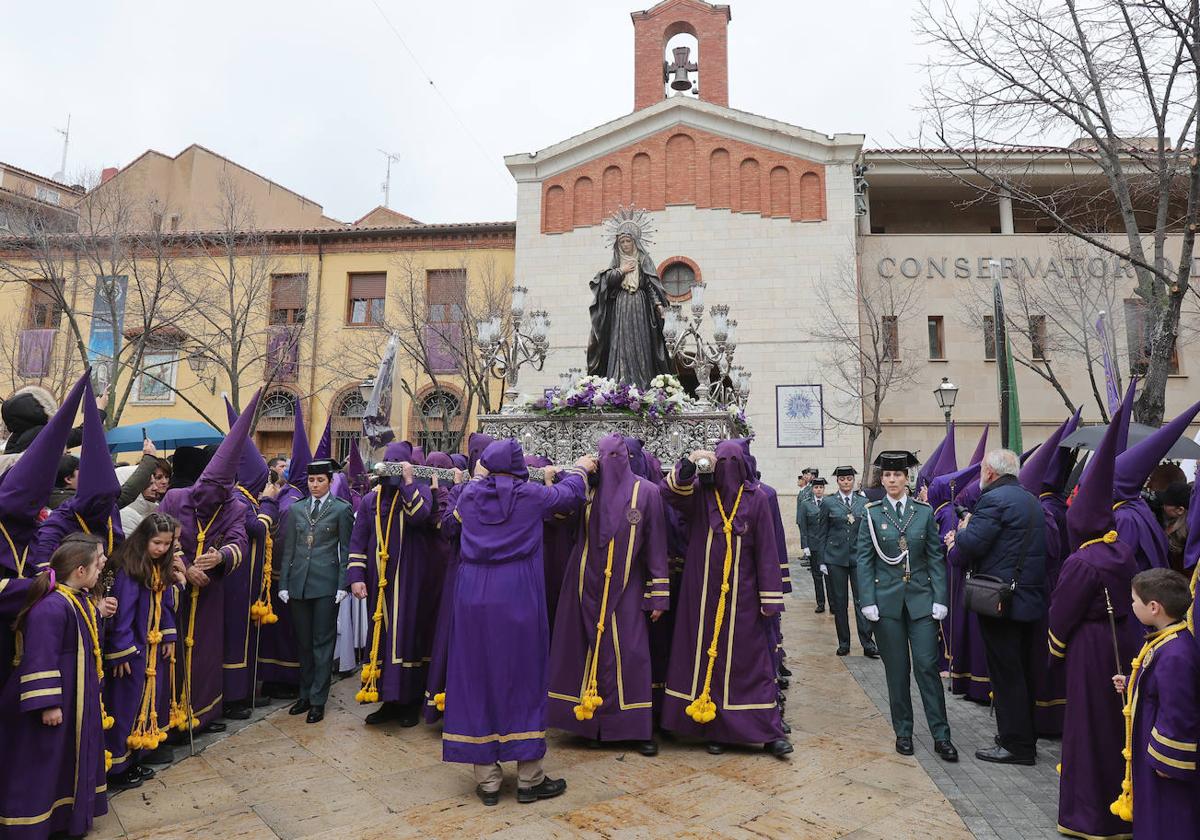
column 819, row 482
column 324, row 466
column 838, row 472
column 896, row 459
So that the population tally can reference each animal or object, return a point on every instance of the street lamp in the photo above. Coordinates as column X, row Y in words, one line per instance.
column 946, row 394
column 198, row 362
column 366, row 388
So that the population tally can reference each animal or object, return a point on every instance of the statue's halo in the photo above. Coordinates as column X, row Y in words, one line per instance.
column 633, row 221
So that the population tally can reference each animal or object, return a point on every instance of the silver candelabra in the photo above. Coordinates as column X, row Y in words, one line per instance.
column 505, row 356
column 720, row 380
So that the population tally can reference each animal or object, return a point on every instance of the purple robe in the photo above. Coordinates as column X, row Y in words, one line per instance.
column 1166, row 729
column 637, row 586
column 226, row 531
column 743, row 677
column 1139, row 527
column 407, row 637
column 499, row 642
column 1081, row 641
column 278, row 658
column 60, row 784
column 242, row 587
column 451, row 529
column 663, row 630
column 1049, row 684
column 126, row 643
column 968, row 660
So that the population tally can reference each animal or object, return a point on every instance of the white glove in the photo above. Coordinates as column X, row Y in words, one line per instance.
column 806, row 552
column 939, row 612
column 870, row 612
column 283, row 595
column 824, row 569
column 339, row 596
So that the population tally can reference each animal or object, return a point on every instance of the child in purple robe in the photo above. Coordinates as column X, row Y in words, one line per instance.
column 52, row 715
column 140, row 649
column 1161, row 790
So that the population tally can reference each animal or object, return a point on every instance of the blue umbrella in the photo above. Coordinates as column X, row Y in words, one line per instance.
column 166, row 434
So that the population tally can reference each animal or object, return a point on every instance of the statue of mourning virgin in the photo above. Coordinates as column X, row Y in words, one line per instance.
column 626, row 342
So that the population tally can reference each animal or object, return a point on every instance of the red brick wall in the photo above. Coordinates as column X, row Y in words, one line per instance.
column 684, row 165
column 654, row 27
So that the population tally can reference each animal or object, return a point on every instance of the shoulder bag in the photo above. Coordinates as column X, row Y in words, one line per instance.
column 989, row 595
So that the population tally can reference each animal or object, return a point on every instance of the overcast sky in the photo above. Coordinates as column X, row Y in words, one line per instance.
column 305, row 93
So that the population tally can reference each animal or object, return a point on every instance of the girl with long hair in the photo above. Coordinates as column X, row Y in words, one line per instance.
column 140, row 648
column 52, row 712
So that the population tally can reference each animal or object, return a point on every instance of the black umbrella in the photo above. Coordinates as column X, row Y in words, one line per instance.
column 1088, row 437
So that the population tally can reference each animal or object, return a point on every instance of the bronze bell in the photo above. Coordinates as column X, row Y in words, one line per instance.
column 680, row 68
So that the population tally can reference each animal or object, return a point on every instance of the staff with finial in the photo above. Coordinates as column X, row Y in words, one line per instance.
column 1112, row 625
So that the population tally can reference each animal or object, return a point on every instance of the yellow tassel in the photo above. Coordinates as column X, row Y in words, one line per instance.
column 107, row 761
column 439, row 700
column 703, row 709
column 372, row 670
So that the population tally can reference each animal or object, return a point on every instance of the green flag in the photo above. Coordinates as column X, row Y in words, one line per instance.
column 1006, row 378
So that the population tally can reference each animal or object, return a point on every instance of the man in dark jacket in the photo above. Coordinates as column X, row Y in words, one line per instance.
column 1005, row 538
column 28, row 410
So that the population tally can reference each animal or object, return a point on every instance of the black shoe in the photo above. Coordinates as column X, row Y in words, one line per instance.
column 785, row 671
column 904, row 744
column 487, row 797
column 236, row 711
column 214, row 726
column 999, row 755
column 715, row 749
column 784, row 683
column 162, row 754
column 409, row 716
column 143, row 773
column 871, row 652
column 787, row 728
column 126, row 780
column 946, row 750
column 548, row 789
column 315, row 715
column 389, row 710
column 820, row 608
column 299, row 707
column 843, row 650
column 779, row 747
column 648, row 748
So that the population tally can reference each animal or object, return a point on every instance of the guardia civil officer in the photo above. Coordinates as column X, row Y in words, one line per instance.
column 902, row 583
column 841, row 513
column 312, row 581
column 808, row 519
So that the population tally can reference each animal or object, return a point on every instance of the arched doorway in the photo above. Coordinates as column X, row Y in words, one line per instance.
column 276, row 421
column 348, row 410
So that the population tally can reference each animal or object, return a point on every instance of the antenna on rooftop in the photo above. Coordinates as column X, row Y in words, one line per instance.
column 61, row 174
column 392, row 157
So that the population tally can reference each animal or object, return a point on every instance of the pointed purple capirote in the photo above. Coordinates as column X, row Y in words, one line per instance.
column 253, row 471
column 1134, row 465
column 948, row 459
column 1054, row 474
column 98, row 489
column 981, row 447
column 325, row 444
column 925, row 474
column 1090, row 514
column 1123, row 431
column 356, row 470
column 26, row 486
column 301, row 454
column 214, row 485
column 1034, row 470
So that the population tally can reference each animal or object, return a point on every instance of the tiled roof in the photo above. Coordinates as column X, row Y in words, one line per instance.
column 69, row 188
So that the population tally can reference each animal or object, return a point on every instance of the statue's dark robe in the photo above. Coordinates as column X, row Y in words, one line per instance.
column 626, row 341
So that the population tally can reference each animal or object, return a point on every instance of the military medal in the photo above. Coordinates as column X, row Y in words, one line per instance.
column 310, row 539
column 850, row 518
column 903, row 542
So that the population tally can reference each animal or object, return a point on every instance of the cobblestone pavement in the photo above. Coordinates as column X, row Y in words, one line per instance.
column 1012, row 803
column 340, row 780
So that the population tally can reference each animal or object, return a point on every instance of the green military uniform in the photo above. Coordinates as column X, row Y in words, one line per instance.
column 808, row 519
column 838, row 524
column 312, row 571
column 905, row 587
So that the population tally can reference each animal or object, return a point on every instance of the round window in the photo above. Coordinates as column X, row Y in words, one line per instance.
column 678, row 279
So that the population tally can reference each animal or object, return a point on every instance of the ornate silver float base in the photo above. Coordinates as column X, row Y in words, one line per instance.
column 562, row 439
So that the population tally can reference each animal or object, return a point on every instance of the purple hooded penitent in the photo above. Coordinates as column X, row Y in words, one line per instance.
column 211, row 518
column 476, row 443
column 324, row 449
column 496, row 681
column 93, row 508
column 26, row 486
column 1096, row 574
column 626, row 525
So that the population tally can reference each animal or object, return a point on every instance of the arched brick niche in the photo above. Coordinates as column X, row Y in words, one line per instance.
column 690, row 167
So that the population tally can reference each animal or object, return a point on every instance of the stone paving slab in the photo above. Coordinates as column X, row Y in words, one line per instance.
column 280, row 777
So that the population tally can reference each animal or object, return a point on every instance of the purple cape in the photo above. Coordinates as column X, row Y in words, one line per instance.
column 1138, row 527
